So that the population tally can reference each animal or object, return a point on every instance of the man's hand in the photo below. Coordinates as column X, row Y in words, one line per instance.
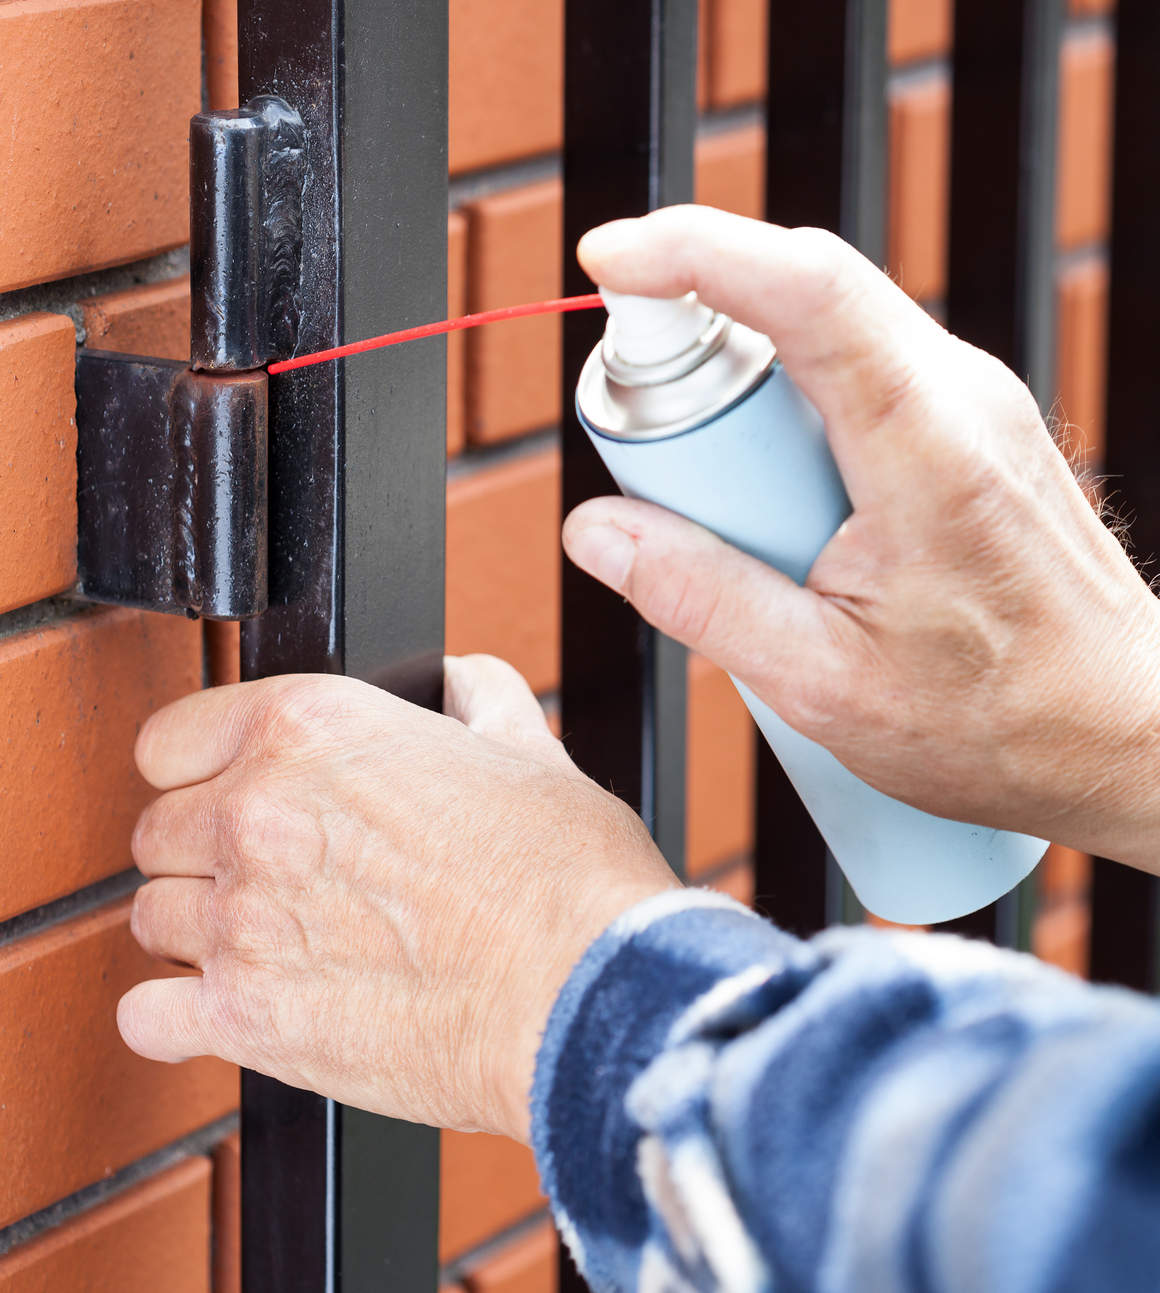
column 383, row 901
column 973, row 640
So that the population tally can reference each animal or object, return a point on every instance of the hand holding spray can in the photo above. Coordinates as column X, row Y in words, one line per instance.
column 693, row 411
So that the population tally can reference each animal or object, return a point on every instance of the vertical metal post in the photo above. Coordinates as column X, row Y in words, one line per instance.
column 629, row 122
column 629, row 119
column 825, row 167
column 1125, row 939
column 336, row 1200
column 1000, row 279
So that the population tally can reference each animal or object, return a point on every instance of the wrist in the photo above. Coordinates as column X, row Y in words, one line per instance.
column 531, row 999
column 1118, row 802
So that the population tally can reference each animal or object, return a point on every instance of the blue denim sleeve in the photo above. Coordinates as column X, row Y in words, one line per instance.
column 720, row 1106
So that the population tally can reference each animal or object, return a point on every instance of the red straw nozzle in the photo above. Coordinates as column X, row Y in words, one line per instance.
column 562, row 305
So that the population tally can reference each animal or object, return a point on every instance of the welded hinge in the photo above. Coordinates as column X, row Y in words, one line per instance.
column 172, row 507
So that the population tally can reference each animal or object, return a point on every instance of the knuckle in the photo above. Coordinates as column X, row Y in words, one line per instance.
column 240, row 918
column 146, row 834
column 898, row 391
column 998, row 393
column 823, row 261
column 291, row 714
column 250, row 815
column 820, row 703
column 686, row 607
column 301, row 710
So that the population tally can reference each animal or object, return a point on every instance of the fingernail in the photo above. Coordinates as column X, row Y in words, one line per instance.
column 605, row 552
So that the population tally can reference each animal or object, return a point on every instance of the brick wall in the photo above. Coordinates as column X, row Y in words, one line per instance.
column 121, row 1174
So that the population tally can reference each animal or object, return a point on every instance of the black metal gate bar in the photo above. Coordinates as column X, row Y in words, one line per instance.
column 1000, row 273
column 1125, row 944
column 629, row 124
column 825, row 167
column 629, row 121
column 335, row 1199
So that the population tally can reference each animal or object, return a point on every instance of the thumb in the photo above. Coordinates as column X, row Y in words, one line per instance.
column 492, row 698
column 855, row 344
column 742, row 614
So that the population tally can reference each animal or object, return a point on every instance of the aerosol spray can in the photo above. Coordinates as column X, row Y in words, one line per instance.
column 693, row 411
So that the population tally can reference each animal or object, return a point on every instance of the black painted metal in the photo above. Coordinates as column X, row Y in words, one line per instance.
column 1000, row 289
column 825, row 167
column 629, row 122
column 1125, row 904
column 246, row 175
column 333, row 1198
column 1000, row 286
column 171, row 486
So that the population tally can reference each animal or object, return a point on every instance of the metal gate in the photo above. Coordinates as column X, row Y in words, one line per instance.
column 336, row 1199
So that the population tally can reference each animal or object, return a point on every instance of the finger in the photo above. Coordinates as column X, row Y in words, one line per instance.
column 745, row 616
column 199, row 736
column 492, row 698
column 177, row 834
column 174, row 918
column 165, row 1019
column 850, row 338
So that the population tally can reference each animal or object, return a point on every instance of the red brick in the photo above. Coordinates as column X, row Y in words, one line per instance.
column 38, row 474
column 878, row 923
column 731, row 171
column 1093, row 6
column 1060, row 937
column 456, row 341
column 919, row 188
column 736, row 54
column 154, row 1236
column 227, row 1216
column 75, row 695
column 507, row 77
column 1083, row 322
column 736, row 43
column 488, row 1183
column 99, row 96
column 515, row 254
column 149, row 320
column 219, row 26
column 528, row 1265
column 1064, row 875
column 1085, row 132
column 78, row 1104
column 503, row 565
column 737, row 882
column 919, row 29
column 222, row 653
column 720, row 771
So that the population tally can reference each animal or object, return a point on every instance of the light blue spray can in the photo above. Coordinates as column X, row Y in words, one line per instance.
column 693, row 411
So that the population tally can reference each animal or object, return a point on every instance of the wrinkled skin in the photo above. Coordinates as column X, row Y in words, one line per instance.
column 384, row 902
column 973, row 640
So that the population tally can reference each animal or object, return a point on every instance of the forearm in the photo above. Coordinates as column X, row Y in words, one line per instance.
column 865, row 1111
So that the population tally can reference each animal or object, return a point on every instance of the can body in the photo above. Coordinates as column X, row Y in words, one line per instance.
column 760, row 475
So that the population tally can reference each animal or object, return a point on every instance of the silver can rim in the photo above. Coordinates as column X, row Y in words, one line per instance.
column 594, row 375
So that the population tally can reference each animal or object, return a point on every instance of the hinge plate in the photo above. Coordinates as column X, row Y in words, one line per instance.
column 171, row 486
column 172, row 458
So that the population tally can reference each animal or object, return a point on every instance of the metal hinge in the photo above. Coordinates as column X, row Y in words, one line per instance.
column 172, row 504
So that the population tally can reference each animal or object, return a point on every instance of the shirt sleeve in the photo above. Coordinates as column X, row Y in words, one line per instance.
column 720, row 1106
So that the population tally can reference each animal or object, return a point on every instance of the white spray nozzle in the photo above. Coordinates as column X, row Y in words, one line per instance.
column 653, row 330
